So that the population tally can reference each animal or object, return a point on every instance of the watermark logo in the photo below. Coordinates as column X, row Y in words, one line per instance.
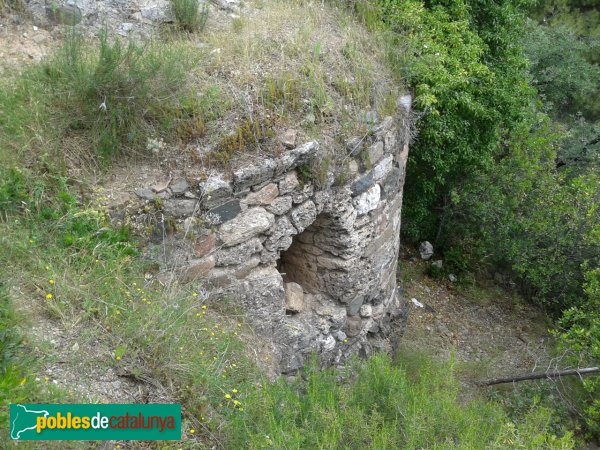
column 95, row 422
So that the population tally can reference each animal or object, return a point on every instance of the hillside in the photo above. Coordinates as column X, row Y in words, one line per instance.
column 205, row 207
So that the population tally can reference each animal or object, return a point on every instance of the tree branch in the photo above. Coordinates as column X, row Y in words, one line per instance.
column 537, row 376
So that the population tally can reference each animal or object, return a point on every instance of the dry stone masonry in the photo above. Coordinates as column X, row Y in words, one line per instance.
column 313, row 262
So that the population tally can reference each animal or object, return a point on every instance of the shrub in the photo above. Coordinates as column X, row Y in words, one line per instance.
column 15, row 5
column 117, row 93
column 382, row 405
column 525, row 216
column 462, row 59
column 189, row 15
column 579, row 335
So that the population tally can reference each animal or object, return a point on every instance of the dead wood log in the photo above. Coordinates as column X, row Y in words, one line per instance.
column 537, row 376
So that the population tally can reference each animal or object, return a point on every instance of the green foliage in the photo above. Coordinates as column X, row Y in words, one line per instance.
column 463, row 62
column 562, row 72
column 580, row 336
column 10, row 339
column 13, row 190
column 520, row 399
column 382, row 405
column 116, row 94
column 14, row 5
column 579, row 152
column 82, row 270
column 525, row 217
column 189, row 15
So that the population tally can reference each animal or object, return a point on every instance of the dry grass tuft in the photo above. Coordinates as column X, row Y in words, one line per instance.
column 294, row 64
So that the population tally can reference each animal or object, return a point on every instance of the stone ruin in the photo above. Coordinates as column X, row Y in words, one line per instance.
column 313, row 262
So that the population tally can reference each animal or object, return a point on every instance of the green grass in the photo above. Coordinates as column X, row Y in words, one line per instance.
column 81, row 272
column 94, row 100
column 189, row 15
column 383, row 405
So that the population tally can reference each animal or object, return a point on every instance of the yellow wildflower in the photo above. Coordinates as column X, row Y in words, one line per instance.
column 49, row 296
column 227, row 396
column 51, row 281
column 203, row 306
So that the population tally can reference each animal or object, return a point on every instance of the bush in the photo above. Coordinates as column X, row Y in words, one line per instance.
column 525, row 216
column 117, row 93
column 189, row 15
column 382, row 406
column 15, row 5
column 579, row 335
column 463, row 61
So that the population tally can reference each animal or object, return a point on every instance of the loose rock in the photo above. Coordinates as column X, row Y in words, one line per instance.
column 426, row 250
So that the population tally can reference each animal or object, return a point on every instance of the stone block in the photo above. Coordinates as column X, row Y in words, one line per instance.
column 289, row 183
column 245, row 226
column 327, row 343
column 146, row 194
column 226, row 211
column 297, row 157
column 205, row 245
column 281, row 235
column 264, row 196
column 215, row 191
column 180, row 207
column 355, row 304
column 289, row 138
column 368, row 201
column 375, row 152
column 304, row 215
column 307, row 192
column 353, row 326
column 363, row 184
column 294, row 297
column 253, row 175
column 198, row 269
column 383, row 168
column 280, row 205
column 247, row 267
column 179, row 186
column 366, row 311
column 238, row 254
column 391, row 183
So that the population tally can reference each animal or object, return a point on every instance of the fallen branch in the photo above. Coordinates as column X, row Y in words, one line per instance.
column 537, row 376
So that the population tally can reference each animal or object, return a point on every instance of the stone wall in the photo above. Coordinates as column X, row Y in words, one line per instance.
column 313, row 262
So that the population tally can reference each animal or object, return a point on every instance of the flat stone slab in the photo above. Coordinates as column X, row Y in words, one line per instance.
column 227, row 211
column 245, row 226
